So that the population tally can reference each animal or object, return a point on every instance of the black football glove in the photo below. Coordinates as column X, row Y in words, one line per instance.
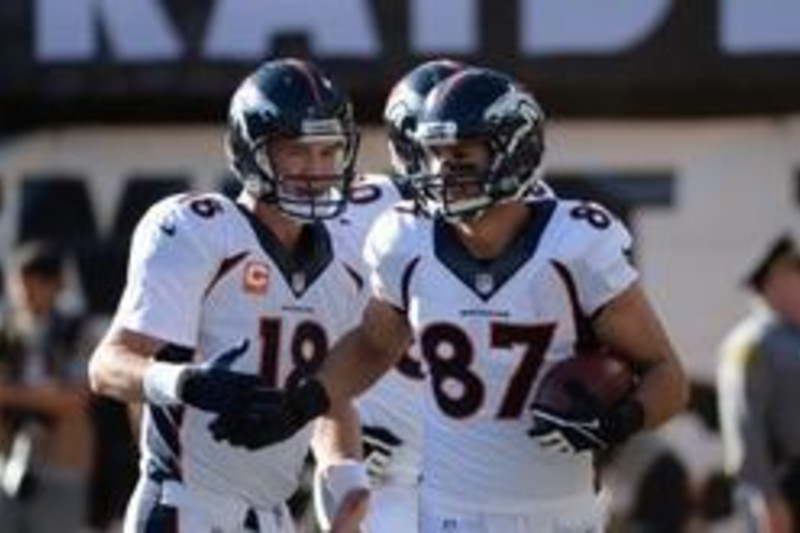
column 267, row 416
column 592, row 428
column 212, row 386
column 378, row 444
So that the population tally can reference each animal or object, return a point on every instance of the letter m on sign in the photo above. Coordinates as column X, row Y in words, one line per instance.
column 58, row 207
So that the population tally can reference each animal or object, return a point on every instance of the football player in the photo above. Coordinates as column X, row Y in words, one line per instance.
column 495, row 288
column 390, row 411
column 229, row 306
column 511, row 286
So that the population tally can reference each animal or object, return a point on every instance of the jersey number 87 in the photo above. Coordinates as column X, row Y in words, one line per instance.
column 449, row 353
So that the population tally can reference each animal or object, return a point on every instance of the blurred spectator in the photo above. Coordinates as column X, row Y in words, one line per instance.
column 672, row 479
column 663, row 503
column 759, row 394
column 714, row 504
column 45, row 437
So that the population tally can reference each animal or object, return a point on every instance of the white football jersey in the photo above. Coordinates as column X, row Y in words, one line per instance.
column 369, row 196
column 487, row 330
column 394, row 402
column 205, row 274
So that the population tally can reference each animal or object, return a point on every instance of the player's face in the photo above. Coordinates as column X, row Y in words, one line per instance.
column 305, row 167
column 461, row 167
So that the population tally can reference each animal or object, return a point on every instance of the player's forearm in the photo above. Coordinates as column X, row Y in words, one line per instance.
column 630, row 325
column 664, row 391
column 354, row 364
column 117, row 368
column 118, row 375
column 337, row 436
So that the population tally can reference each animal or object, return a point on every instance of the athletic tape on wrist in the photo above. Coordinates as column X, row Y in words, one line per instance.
column 344, row 477
column 331, row 484
column 162, row 383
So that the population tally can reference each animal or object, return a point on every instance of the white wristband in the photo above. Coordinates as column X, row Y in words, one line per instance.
column 331, row 484
column 344, row 477
column 162, row 383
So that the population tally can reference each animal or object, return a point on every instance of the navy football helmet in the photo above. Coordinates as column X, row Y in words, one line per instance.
column 486, row 106
column 402, row 110
column 291, row 99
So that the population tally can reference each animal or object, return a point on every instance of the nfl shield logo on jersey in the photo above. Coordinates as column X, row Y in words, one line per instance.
column 256, row 277
column 484, row 283
column 298, row 281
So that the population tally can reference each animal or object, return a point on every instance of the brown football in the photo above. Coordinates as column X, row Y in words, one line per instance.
column 605, row 376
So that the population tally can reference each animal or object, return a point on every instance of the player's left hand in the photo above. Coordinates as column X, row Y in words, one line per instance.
column 351, row 512
column 567, row 435
column 269, row 416
column 596, row 428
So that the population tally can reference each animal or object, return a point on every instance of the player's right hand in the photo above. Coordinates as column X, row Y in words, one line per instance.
column 212, row 386
column 379, row 445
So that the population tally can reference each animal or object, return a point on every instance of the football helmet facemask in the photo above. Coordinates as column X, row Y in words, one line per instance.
column 485, row 106
column 292, row 99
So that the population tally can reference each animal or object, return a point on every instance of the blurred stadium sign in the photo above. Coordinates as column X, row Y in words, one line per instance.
column 180, row 59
